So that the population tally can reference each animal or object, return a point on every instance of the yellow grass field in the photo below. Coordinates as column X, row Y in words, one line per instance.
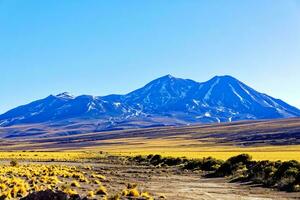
column 223, row 155
column 283, row 153
column 50, row 156
column 272, row 153
column 182, row 147
column 18, row 180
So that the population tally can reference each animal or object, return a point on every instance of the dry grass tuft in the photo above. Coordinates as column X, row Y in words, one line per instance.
column 75, row 184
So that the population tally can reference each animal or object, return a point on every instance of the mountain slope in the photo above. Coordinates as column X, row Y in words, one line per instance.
column 183, row 101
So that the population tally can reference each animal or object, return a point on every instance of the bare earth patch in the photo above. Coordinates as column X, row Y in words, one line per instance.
column 177, row 185
column 165, row 182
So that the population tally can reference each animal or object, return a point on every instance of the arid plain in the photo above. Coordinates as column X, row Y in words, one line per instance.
column 107, row 157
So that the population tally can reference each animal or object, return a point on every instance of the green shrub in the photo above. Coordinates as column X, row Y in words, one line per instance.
column 233, row 164
column 172, row 161
column 262, row 172
column 13, row 163
column 285, row 178
column 285, row 168
column 211, row 164
column 149, row 156
column 193, row 164
column 139, row 159
column 156, row 160
column 242, row 158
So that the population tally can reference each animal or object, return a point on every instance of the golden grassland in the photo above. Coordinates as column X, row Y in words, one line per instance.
column 223, row 155
column 17, row 181
column 166, row 148
column 180, row 147
column 271, row 153
column 50, row 156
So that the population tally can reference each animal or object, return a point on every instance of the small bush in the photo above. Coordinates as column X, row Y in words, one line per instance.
column 139, row 159
column 156, row 160
column 149, row 156
column 211, row 164
column 75, row 184
column 242, row 158
column 101, row 190
column 173, row 161
column 285, row 168
column 90, row 194
column 285, row 178
column 133, row 192
column 13, row 163
column 263, row 172
column 234, row 164
column 193, row 165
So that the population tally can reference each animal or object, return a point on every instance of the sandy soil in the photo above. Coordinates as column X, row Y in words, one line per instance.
column 175, row 184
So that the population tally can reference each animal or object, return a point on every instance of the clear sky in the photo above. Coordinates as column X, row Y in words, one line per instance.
column 102, row 47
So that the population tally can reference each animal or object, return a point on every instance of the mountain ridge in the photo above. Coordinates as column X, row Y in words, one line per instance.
column 220, row 99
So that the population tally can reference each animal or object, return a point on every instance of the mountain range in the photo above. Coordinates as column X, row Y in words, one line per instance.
column 164, row 101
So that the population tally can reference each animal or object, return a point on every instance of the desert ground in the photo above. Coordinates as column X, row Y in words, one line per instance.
column 176, row 184
column 158, row 182
column 108, row 154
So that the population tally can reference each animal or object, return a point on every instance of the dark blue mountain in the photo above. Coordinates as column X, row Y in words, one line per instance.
column 221, row 99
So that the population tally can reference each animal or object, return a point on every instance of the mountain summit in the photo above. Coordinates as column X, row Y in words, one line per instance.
column 169, row 99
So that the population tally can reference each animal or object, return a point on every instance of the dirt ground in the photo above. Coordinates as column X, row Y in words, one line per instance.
column 174, row 184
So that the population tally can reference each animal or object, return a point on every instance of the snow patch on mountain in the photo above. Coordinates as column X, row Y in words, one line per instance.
column 208, row 94
column 117, row 104
column 237, row 94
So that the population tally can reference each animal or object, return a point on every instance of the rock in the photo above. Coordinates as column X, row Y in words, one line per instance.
column 47, row 195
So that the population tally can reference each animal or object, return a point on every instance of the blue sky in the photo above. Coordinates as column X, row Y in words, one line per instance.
column 102, row 47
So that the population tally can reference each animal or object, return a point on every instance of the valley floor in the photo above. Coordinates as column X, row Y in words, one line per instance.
column 177, row 185
column 263, row 140
column 170, row 183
